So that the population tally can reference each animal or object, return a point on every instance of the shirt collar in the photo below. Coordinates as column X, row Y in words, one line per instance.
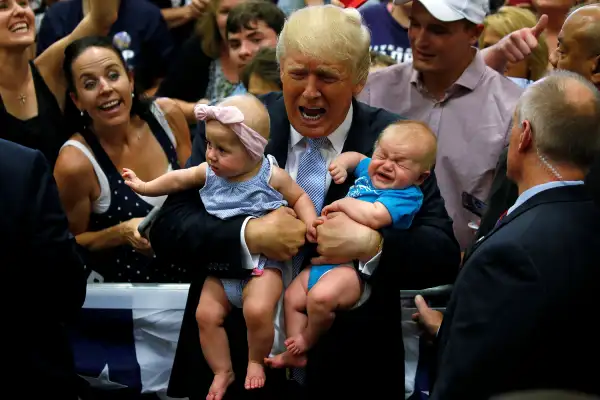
column 337, row 138
column 529, row 193
column 469, row 79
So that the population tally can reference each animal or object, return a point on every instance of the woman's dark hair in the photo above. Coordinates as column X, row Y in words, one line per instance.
column 264, row 64
column 140, row 104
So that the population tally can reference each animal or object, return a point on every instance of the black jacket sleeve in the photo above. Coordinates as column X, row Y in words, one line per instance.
column 427, row 254
column 52, row 246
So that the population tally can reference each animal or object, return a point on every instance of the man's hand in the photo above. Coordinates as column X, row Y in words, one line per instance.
column 430, row 320
column 340, row 240
column 278, row 235
column 519, row 44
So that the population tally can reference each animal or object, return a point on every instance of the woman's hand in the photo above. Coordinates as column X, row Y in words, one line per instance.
column 132, row 237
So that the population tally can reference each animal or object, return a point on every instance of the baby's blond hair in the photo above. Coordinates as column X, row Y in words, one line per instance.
column 419, row 131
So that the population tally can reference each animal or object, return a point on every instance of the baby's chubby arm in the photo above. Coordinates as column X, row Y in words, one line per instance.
column 171, row 182
column 374, row 215
column 296, row 198
column 344, row 163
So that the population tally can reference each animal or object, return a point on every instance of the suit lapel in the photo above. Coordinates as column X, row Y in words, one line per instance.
column 356, row 141
column 555, row 195
column 280, row 132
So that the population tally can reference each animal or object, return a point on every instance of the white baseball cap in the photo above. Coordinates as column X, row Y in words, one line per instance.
column 454, row 10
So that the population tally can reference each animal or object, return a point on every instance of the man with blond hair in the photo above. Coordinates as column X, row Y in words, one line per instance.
column 323, row 52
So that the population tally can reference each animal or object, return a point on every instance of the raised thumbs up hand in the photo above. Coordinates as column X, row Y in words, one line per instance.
column 519, row 44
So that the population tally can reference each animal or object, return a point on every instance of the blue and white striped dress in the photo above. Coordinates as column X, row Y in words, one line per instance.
column 254, row 197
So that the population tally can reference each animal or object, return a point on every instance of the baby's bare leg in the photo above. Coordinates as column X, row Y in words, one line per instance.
column 261, row 295
column 212, row 309
column 338, row 289
column 294, row 305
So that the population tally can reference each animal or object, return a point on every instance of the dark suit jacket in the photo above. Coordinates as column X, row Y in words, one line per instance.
column 503, row 195
column 43, row 276
column 592, row 181
column 360, row 341
column 517, row 318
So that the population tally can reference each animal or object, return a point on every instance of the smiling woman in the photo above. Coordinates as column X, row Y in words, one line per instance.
column 32, row 94
column 117, row 130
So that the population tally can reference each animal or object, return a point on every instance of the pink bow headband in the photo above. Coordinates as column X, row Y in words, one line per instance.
column 234, row 118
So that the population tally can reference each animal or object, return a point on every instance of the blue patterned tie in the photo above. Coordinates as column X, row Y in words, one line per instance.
column 312, row 177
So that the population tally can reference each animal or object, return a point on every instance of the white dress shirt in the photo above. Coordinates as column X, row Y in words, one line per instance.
column 296, row 149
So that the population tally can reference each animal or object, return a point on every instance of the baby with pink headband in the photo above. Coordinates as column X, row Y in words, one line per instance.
column 236, row 179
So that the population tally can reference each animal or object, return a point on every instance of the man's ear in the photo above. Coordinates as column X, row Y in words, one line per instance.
column 525, row 137
column 476, row 33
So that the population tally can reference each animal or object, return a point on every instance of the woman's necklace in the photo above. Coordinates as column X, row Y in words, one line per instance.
column 22, row 99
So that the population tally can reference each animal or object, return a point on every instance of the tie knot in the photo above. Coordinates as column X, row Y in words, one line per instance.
column 318, row 143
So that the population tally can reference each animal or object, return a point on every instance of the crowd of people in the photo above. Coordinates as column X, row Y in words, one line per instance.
column 301, row 164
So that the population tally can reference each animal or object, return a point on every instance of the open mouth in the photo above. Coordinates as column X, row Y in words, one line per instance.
column 385, row 177
column 312, row 113
column 110, row 105
column 19, row 27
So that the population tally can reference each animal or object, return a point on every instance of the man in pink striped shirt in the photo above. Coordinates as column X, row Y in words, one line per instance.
column 448, row 85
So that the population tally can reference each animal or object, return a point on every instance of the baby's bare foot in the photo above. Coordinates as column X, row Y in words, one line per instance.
column 286, row 359
column 219, row 385
column 297, row 345
column 255, row 376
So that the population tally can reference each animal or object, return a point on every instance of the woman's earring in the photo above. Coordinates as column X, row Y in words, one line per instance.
column 81, row 113
column 132, row 95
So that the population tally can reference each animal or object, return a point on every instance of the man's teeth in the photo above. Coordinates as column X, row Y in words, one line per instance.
column 312, row 117
column 111, row 104
column 20, row 27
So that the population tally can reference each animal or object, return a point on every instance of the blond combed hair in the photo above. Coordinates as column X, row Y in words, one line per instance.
column 510, row 19
column 328, row 33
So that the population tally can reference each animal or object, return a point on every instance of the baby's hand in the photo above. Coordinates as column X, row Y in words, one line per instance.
column 311, row 233
column 338, row 174
column 318, row 221
column 333, row 207
column 133, row 181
